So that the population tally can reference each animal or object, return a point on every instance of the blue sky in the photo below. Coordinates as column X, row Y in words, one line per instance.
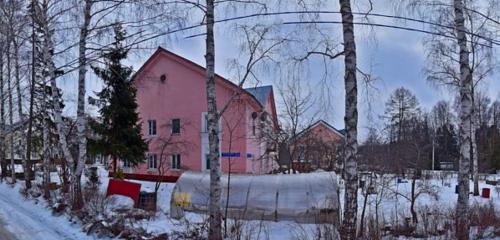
column 395, row 57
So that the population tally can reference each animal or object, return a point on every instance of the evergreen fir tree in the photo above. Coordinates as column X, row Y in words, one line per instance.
column 119, row 128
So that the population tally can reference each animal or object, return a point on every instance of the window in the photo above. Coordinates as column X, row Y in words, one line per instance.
column 152, row 161
column 176, row 125
column 126, row 164
column 176, row 161
column 302, row 154
column 204, row 123
column 152, row 127
column 207, row 161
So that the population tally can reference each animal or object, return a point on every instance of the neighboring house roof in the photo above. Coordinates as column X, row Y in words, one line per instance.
column 265, row 95
column 341, row 133
column 200, row 69
column 261, row 93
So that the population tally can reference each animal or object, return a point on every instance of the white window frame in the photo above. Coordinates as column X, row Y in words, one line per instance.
column 152, row 130
column 126, row 164
column 175, row 161
column 152, row 161
column 204, row 123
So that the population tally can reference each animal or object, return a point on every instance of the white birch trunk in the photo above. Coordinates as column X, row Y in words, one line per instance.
column 215, row 216
column 46, row 158
column 474, row 150
column 47, row 60
column 3, row 163
column 351, row 124
column 81, row 120
column 26, row 165
column 11, row 113
column 465, row 115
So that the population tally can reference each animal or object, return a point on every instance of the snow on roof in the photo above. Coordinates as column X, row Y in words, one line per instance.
column 260, row 93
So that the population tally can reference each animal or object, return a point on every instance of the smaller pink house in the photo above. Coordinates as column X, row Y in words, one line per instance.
column 320, row 146
column 172, row 107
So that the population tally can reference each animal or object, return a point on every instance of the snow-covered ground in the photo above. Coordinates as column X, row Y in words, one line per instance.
column 390, row 204
column 396, row 195
column 31, row 219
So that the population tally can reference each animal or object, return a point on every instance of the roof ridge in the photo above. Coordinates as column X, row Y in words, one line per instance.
column 196, row 65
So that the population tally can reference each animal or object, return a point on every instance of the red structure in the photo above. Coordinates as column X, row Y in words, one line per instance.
column 485, row 193
column 148, row 177
column 124, row 188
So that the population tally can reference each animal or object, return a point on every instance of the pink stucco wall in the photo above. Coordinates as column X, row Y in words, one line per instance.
column 182, row 95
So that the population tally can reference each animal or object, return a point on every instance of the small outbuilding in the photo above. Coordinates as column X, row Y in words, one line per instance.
column 303, row 198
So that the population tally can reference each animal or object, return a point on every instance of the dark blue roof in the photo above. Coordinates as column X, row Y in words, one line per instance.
column 343, row 132
column 260, row 93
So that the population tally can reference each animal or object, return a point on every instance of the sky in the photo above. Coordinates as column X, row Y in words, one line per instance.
column 395, row 57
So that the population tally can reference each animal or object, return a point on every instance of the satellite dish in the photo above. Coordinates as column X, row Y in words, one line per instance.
column 254, row 115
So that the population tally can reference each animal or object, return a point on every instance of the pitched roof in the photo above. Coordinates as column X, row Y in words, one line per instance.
column 199, row 68
column 261, row 93
column 341, row 133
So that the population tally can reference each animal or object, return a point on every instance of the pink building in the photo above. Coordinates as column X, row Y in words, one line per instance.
column 320, row 146
column 172, row 107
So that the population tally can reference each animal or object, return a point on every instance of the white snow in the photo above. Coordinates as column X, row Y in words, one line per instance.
column 118, row 202
column 27, row 219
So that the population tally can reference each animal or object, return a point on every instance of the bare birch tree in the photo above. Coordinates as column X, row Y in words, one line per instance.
column 465, row 115
column 10, row 103
column 2, row 103
column 351, row 123
column 215, row 215
column 460, row 61
column 443, row 54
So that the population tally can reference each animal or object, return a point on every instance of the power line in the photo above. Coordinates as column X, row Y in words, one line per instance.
column 322, row 12
column 386, row 26
column 354, row 13
column 154, row 36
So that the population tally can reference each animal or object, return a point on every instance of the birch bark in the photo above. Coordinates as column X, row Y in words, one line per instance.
column 215, row 216
column 81, row 120
column 474, row 150
column 11, row 112
column 45, row 114
column 32, row 90
column 465, row 115
column 47, row 60
column 46, row 160
column 351, row 123
column 26, row 164
column 3, row 163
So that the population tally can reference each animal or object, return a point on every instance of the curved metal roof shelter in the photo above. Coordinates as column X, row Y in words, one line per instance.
column 303, row 198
